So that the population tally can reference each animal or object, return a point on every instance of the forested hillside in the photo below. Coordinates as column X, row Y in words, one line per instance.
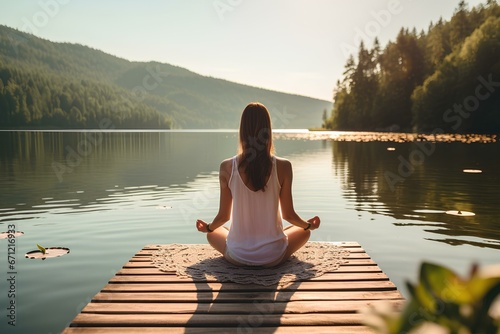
column 61, row 85
column 447, row 78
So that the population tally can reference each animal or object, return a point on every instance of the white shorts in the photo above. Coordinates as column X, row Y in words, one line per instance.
column 231, row 259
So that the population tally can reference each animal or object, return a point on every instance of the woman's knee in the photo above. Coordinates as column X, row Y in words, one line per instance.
column 217, row 240
column 306, row 235
column 300, row 233
column 212, row 238
column 298, row 237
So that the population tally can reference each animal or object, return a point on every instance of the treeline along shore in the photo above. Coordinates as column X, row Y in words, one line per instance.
column 445, row 79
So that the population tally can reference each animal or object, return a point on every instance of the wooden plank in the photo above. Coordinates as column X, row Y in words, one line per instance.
column 294, row 307
column 233, row 320
column 208, row 286
column 163, row 278
column 204, row 297
column 155, row 271
column 219, row 330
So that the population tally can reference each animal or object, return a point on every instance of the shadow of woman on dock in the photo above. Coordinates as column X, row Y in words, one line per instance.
column 228, row 307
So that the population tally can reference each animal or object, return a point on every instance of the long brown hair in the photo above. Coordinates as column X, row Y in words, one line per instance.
column 256, row 144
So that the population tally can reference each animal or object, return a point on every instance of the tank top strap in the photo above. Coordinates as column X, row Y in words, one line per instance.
column 235, row 163
column 275, row 172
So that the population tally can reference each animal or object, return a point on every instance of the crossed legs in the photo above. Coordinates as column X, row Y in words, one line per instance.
column 297, row 238
column 217, row 239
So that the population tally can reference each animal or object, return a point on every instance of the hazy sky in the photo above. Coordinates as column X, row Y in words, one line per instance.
column 294, row 46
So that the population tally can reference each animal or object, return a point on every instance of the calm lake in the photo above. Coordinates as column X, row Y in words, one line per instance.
column 105, row 195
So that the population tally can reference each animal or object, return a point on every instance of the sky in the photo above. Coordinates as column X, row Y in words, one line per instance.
column 292, row 46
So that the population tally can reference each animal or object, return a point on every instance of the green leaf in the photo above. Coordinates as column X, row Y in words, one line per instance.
column 42, row 249
column 425, row 299
column 461, row 305
column 443, row 284
column 478, row 287
column 483, row 322
column 412, row 316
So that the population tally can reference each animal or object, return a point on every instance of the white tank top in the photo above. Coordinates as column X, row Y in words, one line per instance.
column 256, row 234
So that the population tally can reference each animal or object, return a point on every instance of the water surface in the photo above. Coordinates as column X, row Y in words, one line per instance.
column 106, row 195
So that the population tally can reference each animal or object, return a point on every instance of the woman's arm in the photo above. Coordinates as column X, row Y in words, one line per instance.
column 285, row 175
column 225, row 201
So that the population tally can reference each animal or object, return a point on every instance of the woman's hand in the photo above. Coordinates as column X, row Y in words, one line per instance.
column 314, row 221
column 201, row 226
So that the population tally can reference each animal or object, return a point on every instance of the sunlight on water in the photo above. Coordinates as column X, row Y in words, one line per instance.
column 107, row 197
column 385, row 136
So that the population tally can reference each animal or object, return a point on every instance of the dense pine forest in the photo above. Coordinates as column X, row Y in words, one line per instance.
column 446, row 79
column 47, row 85
column 34, row 99
column 41, row 89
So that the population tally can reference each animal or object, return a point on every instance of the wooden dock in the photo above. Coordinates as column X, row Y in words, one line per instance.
column 142, row 299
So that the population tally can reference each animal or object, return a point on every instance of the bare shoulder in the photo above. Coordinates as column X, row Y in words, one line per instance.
column 284, row 169
column 226, row 167
column 283, row 163
column 226, row 163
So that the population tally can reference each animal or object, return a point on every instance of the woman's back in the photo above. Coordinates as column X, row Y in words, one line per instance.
column 256, row 235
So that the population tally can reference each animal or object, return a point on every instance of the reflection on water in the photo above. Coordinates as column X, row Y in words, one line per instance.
column 390, row 137
column 75, row 172
column 420, row 183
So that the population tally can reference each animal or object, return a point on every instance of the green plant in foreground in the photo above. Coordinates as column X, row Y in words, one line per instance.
column 443, row 302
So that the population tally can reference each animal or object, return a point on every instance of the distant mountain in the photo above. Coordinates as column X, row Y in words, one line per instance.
column 57, row 85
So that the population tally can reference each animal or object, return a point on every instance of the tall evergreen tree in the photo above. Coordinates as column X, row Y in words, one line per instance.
column 417, row 81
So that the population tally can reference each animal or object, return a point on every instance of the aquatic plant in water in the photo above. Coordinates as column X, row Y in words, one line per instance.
column 43, row 253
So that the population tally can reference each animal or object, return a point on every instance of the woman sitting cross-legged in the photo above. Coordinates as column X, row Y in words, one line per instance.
column 255, row 193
